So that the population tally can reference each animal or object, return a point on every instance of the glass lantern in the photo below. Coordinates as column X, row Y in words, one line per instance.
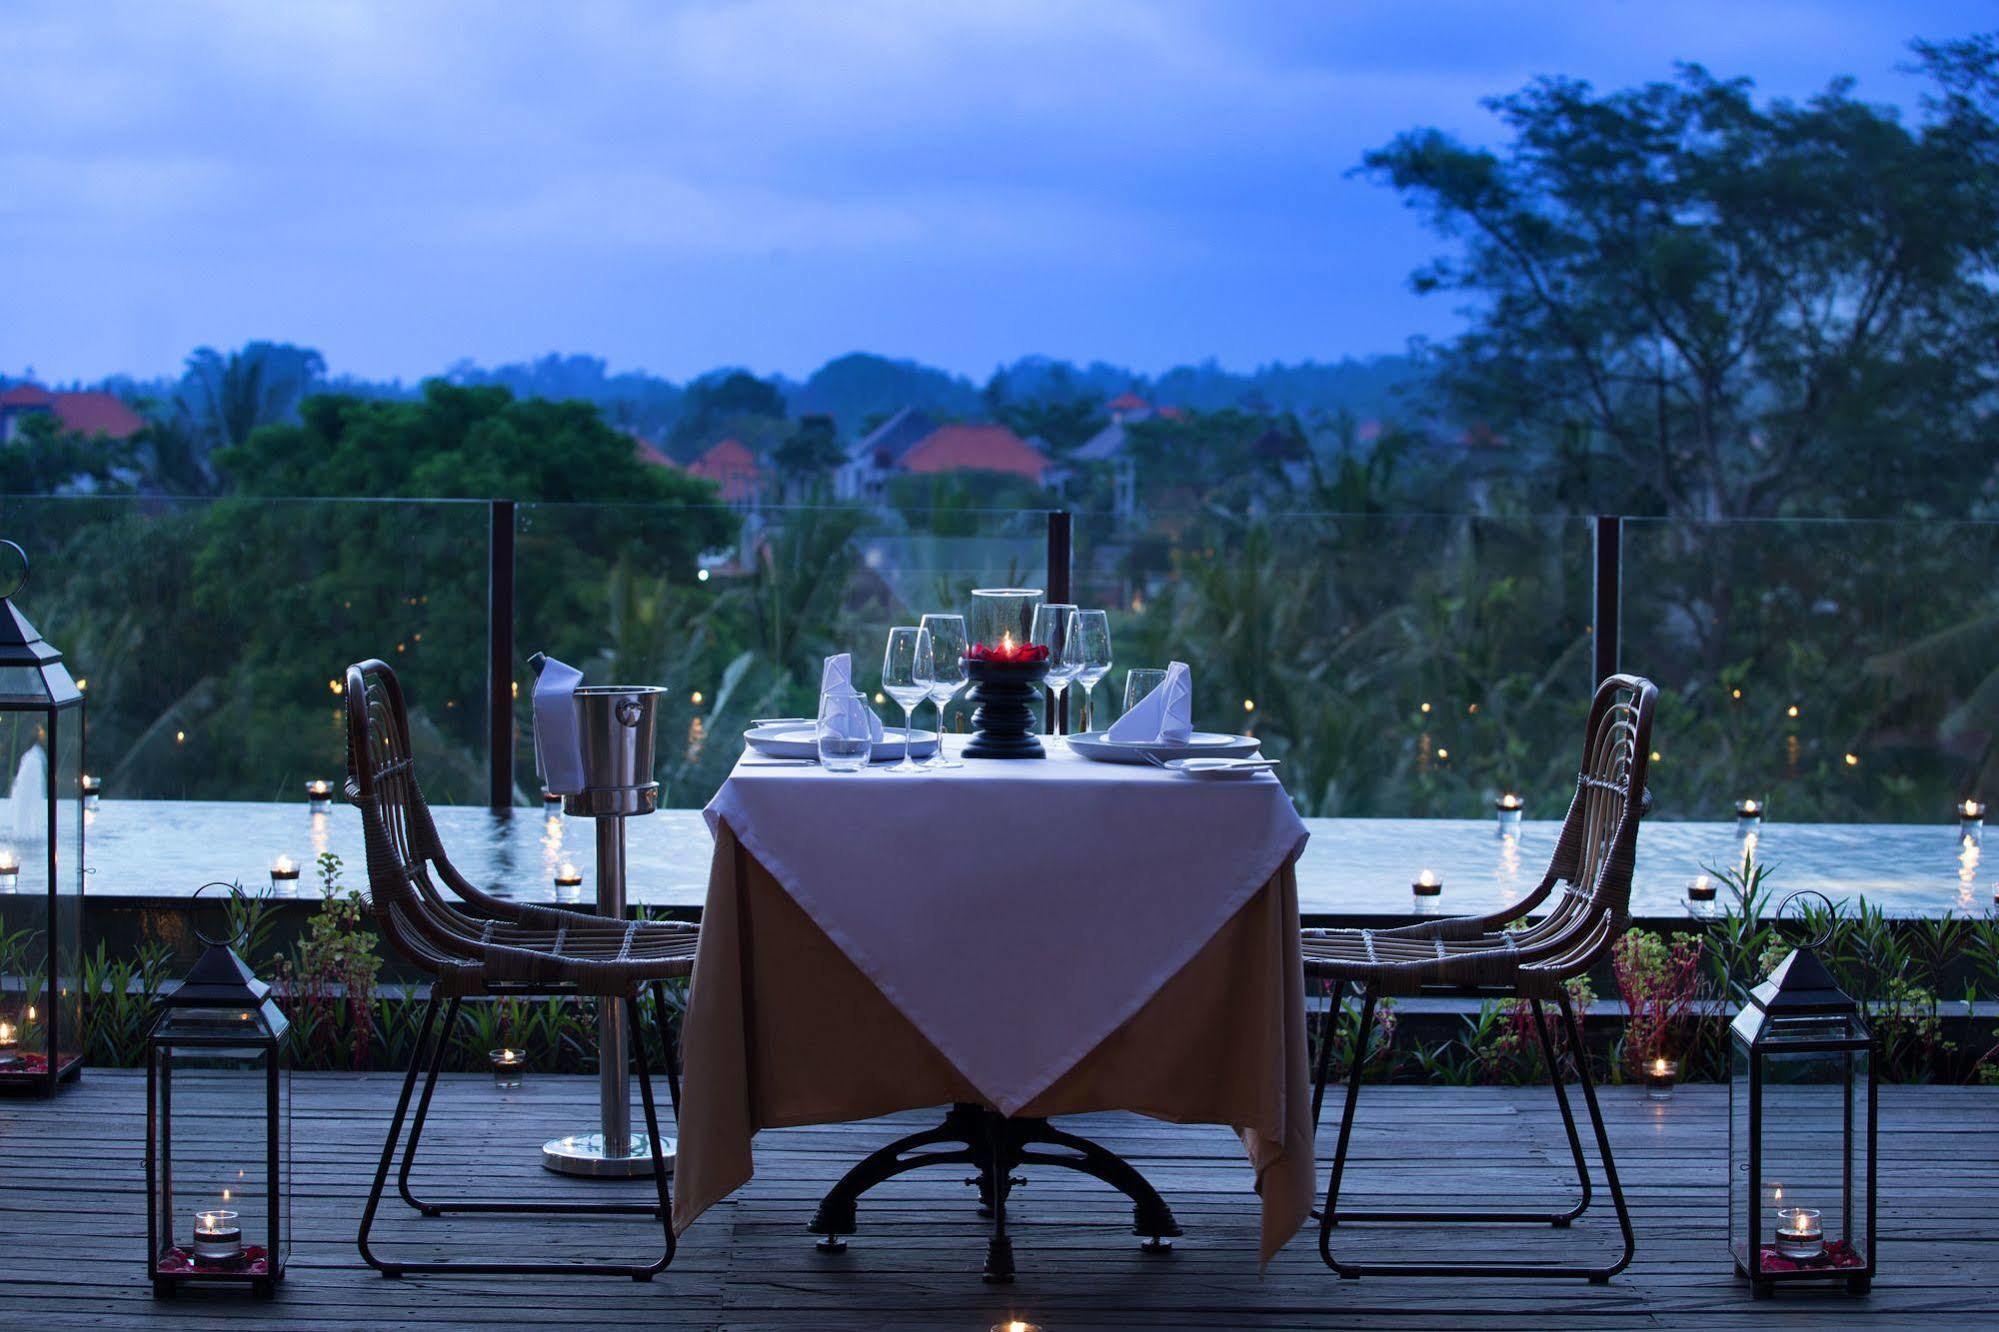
column 218, row 1131
column 1801, row 1130
column 1002, row 618
column 41, row 856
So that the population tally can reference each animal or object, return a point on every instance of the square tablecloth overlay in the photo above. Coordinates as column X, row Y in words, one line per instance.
column 1044, row 937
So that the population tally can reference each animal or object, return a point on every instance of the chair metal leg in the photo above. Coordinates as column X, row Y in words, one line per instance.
column 671, row 1041
column 659, row 1171
column 1595, row 1274
column 423, row 1110
column 1329, row 1032
column 663, row 1208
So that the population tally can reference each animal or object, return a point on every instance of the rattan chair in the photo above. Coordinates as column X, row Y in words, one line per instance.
column 475, row 944
column 1510, row 954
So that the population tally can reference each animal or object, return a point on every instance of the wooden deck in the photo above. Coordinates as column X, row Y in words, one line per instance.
column 70, row 1186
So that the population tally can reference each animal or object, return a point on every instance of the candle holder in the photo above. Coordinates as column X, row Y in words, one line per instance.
column 1800, row 1236
column 319, row 795
column 1016, row 1325
column 10, row 871
column 1509, row 807
column 1661, row 1076
column 1004, row 667
column 284, row 877
column 1428, row 889
column 93, row 787
column 568, row 882
column 10, row 1045
column 1748, row 815
column 1701, row 892
column 218, row 1240
column 550, row 801
column 1971, row 817
column 509, row 1067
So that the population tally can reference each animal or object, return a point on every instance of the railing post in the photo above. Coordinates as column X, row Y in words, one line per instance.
column 1058, row 590
column 500, row 654
column 1608, row 583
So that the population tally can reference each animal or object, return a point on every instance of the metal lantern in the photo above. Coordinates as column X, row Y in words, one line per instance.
column 41, row 856
column 1801, row 1128
column 218, row 1130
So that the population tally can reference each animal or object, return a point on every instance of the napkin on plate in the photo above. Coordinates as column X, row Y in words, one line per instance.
column 1164, row 716
column 558, row 745
column 857, row 719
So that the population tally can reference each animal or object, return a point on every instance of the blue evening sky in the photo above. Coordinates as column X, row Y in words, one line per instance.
column 774, row 182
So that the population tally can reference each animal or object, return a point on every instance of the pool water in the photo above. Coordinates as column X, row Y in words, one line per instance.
column 167, row 848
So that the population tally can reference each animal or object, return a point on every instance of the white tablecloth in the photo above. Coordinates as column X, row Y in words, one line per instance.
column 1016, row 912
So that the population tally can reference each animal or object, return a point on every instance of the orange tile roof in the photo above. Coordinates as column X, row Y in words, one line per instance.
column 26, row 395
column 733, row 467
column 1127, row 402
column 983, row 448
column 97, row 414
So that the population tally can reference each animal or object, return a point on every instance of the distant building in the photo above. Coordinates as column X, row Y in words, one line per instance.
column 732, row 467
column 87, row 414
column 911, row 444
column 1108, row 447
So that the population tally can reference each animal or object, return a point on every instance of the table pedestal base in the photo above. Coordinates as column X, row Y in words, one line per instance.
column 995, row 1146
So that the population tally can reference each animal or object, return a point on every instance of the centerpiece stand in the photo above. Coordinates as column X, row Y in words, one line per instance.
column 995, row 1145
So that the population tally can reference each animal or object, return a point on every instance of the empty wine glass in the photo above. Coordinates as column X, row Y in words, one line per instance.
column 1140, row 681
column 841, row 735
column 947, row 652
column 1051, row 630
column 1089, row 650
column 907, row 674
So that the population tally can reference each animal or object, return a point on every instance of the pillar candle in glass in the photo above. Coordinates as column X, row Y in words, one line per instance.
column 1661, row 1075
column 1002, row 622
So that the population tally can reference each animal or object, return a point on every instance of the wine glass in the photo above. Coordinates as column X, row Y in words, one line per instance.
column 1051, row 630
column 947, row 651
column 1140, row 681
column 1089, row 648
column 907, row 674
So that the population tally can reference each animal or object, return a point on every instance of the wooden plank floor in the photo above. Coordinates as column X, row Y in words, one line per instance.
column 71, row 1184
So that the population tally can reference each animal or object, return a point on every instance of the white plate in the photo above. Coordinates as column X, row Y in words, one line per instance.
column 1215, row 769
column 1204, row 744
column 785, row 740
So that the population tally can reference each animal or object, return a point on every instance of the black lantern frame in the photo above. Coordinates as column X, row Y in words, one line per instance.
column 1800, row 1013
column 41, row 881
column 219, row 1010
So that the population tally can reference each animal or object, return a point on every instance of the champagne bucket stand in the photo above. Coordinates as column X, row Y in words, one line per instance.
column 615, row 723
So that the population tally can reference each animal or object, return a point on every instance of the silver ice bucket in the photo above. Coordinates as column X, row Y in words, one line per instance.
column 615, row 724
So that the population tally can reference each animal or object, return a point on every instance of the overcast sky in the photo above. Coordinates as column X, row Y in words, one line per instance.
column 770, row 183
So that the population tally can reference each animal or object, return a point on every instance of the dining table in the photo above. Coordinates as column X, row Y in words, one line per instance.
column 1011, row 941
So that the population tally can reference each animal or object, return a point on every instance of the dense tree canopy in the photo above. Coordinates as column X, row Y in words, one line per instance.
column 1750, row 308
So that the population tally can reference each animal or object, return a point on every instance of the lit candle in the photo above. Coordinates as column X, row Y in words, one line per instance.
column 319, row 795
column 1799, row 1234
column 1660, row 1075
column 1427, row 884
column 550, row 800
column 1748, row 813
column 1016, row 1325
column 93, row 787
column 1701, row 889
column 284, row 876
column 218, row 1240
column 509, row 1065
column 10, row 1039
column 568, row 880
column 1970, row 816
column 10, row 870
column 1509, row 807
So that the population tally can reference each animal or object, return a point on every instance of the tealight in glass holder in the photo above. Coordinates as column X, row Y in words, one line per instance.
column 509, row 1067
column 319, row 795
column 93, row 788
column 1701, row 893
column 1661, row 1076
column 1428, row 892
column 1971, row 818
column 568, row 882
column 284, row 877
column 1509, row 807
column 1748, row 815
column 10, row 870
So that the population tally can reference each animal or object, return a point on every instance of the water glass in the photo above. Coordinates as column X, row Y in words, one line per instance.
column 842, row 733
column 1140, row 681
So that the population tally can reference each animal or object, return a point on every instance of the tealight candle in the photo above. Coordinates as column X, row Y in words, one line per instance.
column 1427, row 884
column 93, row 787
column 10, row 870
column 1701, row 892
column 1971, row 816
column 319, row 795
column 1660, row 1075
column 218, row 1240
column 1509, row 807
column 509, row 1065
column 284, row 876
column 10, row 1041
column 550, row 801
column 1748, row 813
column 1799, row 1234
column 569, row 880
column 1016, row 1325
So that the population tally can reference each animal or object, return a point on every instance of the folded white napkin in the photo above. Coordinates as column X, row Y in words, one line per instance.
column 558, row 744
column 1164, row 716
column 857, row 718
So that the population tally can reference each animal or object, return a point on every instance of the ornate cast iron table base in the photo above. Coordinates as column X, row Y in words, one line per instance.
column 995, row 1146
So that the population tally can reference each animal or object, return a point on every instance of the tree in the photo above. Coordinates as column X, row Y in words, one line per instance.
column 44, row 459
column 225, row 398
column 719, row 405
column 809, row 453
column 1749, row 308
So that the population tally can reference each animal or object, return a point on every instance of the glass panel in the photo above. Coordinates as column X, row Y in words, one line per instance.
column 208, row 633
column 1405, row 665
column 25, row 867
column 1741, row 1207
column 1874, row 632
column 734, row 610
column 1813, row 1161
column 216, row 1150
column 67, row 867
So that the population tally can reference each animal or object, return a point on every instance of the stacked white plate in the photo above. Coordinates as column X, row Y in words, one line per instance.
column 1202, row 744
column 796, row 738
